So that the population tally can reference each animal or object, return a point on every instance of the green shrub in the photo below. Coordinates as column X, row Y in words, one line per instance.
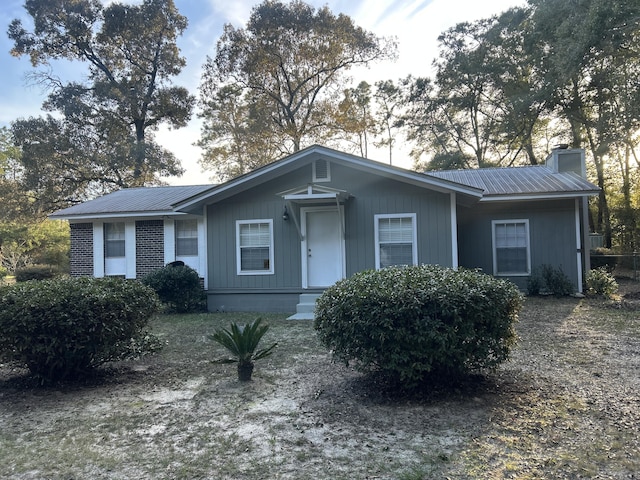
column 177, row 286
column 3, row 273
column 64, row 328
column 413, row 321
column 601, row 282
column 36, row 272
column 549, row 280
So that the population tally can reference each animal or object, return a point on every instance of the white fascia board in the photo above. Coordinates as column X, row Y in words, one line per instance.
column 120, row 215
column 544, row 196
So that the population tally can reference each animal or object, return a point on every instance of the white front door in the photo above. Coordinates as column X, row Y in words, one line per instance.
column 322, row 248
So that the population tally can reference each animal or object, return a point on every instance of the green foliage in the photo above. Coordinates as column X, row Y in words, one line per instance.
column 546, row 279
column 36, row 272
column 601, row 282
column 3, row 273
column 64, row 328
column 25, row 243
column 242, row 342
column 177, row 286
column 413, row 321
column 102, row 138
column 284, row 69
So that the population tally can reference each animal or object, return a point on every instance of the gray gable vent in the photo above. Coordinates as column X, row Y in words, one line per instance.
column 321, row 171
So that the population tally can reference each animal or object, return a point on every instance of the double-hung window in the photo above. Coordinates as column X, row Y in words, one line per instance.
column 396, row 240
column 114, row 240
column 186, row 238
column 511, row 253
column 254, row 247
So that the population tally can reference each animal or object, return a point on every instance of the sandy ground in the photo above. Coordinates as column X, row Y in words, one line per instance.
column 566, row 406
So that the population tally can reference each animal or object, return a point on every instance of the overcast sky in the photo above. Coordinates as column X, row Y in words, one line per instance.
column 415, row 23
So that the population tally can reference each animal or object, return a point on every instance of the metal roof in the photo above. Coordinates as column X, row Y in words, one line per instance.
column 533, row 181
column 315, row 152
column 132, row 201
column 486, row 184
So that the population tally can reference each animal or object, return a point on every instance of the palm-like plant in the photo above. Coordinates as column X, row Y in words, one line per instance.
column 242, row 342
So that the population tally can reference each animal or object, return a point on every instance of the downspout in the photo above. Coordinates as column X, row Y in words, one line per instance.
column 586, row 249
column 454, row 231
column 579, row 249
column 204, row 251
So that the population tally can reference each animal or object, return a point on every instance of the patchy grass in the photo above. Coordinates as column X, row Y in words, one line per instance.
column 566, row 406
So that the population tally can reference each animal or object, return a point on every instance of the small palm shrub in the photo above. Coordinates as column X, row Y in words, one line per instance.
column 62, row 329
column 546, row 279
column 412, row 322
column 178, row 287
column 600, row 282
column 242, row 342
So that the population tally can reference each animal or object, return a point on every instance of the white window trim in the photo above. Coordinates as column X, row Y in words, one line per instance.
column 239, row 271
column 128, row 262
column 197, row 262
column 98, row 249
column 493, row 246
column 414, row 238
column 169, row 240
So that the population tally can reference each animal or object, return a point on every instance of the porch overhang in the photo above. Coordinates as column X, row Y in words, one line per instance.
column 314, row 195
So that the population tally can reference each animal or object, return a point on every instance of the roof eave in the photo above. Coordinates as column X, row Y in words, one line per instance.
column 537, row 196
column 316, row 152
column 105, row 215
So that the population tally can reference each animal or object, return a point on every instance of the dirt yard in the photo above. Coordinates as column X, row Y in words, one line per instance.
column 566, row 406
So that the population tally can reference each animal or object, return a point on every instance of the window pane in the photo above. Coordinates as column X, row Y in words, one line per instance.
column 511, row 235
column 254, row 258
column 186, row 247
column 114, row 248
column 186, row 238
column 114, row 239
column 396, row 254
column 114, row 231
column 511, row 260
column 187, row 228
column 254, row 234
column 395, row 230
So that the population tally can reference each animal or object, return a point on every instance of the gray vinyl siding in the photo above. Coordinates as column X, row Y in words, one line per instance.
column 433, row 220
column 222, row 245
column 552, row 232
column 371, row 195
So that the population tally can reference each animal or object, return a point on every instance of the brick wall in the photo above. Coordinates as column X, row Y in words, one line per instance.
column 149, row 246
column 81, row 249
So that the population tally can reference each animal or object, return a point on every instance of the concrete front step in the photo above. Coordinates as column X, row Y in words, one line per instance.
column 305, row 307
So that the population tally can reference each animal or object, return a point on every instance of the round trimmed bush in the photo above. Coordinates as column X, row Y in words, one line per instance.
column 64, row 328
column 409, row 322
column 178, row 286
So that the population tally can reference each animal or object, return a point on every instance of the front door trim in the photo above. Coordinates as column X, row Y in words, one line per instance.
column 304, row 211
